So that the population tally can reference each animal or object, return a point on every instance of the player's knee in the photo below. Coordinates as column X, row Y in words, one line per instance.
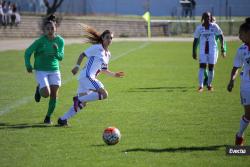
column 105, row 95
column 44, row 92
column 210, row 67
column 202, row 65
column 54, row 92
column 45, row 95
column 247, row 115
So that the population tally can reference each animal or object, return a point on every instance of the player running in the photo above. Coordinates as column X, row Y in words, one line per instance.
column 90, row 88
column 242, row 59
column 48, row 51
column 205, row 34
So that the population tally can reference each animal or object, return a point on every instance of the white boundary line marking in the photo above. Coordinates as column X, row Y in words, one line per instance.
column 27, row 99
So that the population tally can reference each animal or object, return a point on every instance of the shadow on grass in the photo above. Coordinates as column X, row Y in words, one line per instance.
column 24, row 126
column 162, row 89
column 178, row 149
column 99, row 145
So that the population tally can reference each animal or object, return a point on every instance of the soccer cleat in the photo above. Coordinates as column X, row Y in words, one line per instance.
column 47, row 120
column 77, row 103
column 239, row 140
column 37, row 95
column 210, row 88
column 62, row 122
column 200, row 89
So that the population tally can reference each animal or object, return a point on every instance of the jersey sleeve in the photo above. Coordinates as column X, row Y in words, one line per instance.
column 218, row 30
column 60, row 50
column 197, row 32
column 238, row 60
column 104, row 67
column 29, row 51
column 91, row 51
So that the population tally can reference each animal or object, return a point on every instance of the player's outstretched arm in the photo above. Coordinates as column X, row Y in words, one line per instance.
column 119, row 74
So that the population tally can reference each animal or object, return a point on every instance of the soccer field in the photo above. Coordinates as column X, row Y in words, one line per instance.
column 163, row 120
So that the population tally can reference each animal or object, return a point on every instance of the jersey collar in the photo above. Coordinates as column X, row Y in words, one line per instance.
column 248, row 45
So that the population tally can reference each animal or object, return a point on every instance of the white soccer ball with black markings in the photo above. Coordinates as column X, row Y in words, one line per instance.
column 111, row 136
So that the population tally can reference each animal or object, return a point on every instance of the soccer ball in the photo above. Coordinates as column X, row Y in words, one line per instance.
column 111, row 136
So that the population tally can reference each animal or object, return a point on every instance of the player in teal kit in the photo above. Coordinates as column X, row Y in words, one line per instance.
column 48, row 51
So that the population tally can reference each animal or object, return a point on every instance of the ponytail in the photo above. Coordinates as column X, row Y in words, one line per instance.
column 92, row 35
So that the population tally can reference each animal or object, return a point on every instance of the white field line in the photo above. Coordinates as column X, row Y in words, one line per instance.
column 27, row 99
column 19, row 44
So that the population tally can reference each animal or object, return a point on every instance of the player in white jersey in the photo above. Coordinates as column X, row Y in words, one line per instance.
column 242, row 59
column 90, row 88
column 205, row 34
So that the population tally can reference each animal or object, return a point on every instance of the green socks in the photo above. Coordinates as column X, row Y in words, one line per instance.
column 52, row 106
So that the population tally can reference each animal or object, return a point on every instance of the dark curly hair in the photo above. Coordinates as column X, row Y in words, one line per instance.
column 246, row 25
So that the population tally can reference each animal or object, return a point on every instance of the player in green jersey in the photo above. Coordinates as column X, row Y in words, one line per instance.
column 48, row 50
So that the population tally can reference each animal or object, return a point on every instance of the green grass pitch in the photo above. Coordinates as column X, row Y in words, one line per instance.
column 163, row 120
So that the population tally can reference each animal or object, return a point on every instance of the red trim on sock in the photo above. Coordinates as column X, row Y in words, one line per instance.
column 245, row 119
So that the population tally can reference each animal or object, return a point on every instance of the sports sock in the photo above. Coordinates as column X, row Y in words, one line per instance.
column 205, row 77
column 205, row 73
column 70, row 113
column 93, row 96
column 243, row 125
column 52, row 106
column 210, row 77
column 201, row 76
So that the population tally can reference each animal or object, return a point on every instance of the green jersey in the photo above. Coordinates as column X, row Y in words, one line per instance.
column 46, row 57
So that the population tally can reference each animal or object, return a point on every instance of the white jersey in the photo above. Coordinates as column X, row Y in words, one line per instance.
column 98, row 60
column 208, row 35
column 242, row 59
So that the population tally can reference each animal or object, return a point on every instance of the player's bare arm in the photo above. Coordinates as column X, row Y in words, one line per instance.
column 195, row 45
column 119, row 74
column 232, row 78
column 223, row 50
column 78, row 63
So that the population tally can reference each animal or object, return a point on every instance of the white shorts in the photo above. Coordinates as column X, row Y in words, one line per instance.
column 245, row 97
column 209, row 58
column 87, row 84
column 46, row 78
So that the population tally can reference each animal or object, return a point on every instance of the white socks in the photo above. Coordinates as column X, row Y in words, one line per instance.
column 210, row 77
column 71, row 112
column 243, row 125
column 93, row 96
column 201, row 76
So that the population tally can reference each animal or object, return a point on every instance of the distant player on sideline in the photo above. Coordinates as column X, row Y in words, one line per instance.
column 90, row 88
column 242, row 59
column 48, row 51
column 206, row 33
